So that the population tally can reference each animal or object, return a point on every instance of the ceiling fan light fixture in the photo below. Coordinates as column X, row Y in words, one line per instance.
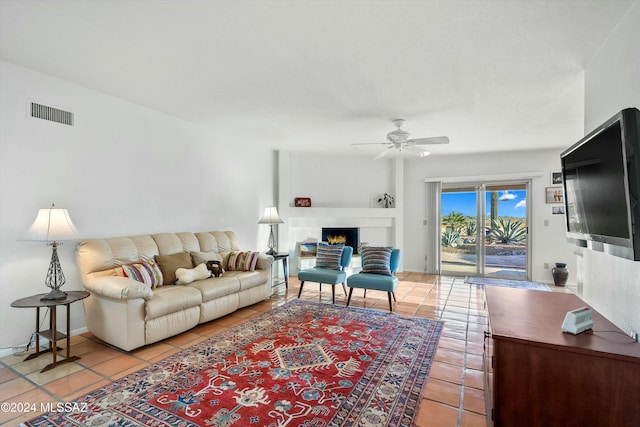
column 400, row 140
column 398, row 136
column 418, row 151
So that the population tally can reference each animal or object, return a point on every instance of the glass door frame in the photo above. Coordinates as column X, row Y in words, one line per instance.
column 481, row 195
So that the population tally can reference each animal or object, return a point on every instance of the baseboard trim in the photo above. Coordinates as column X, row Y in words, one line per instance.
column 43, row 342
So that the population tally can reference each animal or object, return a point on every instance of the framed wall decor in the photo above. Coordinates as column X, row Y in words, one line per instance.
column 556, row 178
column 557, row 210
column 308, row 249
column 554, row 195
column 302, row 202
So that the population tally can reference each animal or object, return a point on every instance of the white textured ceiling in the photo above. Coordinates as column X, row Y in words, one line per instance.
column 318, row 75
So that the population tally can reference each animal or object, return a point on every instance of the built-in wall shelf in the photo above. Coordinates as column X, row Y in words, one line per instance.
column 340, row 217
column 342, row 212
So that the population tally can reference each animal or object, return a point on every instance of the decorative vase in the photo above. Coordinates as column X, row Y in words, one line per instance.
column 386, row 200
column 560, row 274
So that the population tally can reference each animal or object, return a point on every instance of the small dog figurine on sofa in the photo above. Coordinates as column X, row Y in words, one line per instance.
column 215, row 267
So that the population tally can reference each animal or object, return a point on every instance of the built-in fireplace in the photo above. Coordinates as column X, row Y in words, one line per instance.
column 350, row 236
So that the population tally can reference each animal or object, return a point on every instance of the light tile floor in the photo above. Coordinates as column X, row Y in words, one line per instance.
column 453, row 395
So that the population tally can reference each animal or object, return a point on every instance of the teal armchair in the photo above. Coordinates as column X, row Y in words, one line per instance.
column 328, row 276
column 378, row 282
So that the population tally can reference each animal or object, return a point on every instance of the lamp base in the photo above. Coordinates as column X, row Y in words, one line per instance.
column 271, row 243
column 55, row 277
column 55, row 294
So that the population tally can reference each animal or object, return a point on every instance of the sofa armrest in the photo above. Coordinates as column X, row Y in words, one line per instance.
column 264, row 261
column 117, row 287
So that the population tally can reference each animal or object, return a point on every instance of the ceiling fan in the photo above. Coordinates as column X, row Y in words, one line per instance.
column 400, row 140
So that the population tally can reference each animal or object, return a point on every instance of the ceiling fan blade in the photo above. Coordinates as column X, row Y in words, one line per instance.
column 417, row 150
column 370, row 143
column 429, row 141
column 384, row 153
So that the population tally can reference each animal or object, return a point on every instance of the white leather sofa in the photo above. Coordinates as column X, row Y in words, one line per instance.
column 129, row 314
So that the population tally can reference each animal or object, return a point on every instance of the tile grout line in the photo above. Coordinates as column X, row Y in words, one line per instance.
column 464, row 359
column 464, row 366
column 36, row 387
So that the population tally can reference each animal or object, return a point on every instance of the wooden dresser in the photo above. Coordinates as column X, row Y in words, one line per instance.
column 536, row 375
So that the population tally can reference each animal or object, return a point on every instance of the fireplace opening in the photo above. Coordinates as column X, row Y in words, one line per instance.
column 350, row 236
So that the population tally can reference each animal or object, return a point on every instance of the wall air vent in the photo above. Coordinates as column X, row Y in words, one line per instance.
column 52, row 114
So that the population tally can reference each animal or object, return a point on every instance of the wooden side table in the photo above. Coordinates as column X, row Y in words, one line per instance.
column 51, row 334
column 283, row 256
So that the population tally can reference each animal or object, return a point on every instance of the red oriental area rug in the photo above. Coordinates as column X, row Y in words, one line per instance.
column 302, row 364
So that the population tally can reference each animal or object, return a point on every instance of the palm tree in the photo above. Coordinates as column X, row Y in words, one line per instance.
column 455, row 220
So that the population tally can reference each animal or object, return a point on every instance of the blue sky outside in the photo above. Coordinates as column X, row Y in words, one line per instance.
column 512, row 203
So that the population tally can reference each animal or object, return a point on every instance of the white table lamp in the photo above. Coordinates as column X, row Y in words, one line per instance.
column 271, row 217
column 52, row 225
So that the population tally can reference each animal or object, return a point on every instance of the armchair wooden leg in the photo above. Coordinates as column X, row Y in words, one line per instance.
column 349, row 297
column 300, row 291
column 333, row 294
column 390, row 304
column 344, row 288
column 394, row 296
column 365, row 293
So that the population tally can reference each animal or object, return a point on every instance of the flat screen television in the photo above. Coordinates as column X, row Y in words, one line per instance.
column 601, row 180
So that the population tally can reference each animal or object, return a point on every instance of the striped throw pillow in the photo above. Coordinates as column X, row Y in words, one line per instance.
column 376, row 260
column 242, row 261
column 328, row 256
column 147, row 272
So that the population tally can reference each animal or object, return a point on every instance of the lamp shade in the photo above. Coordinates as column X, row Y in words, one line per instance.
column 270, row 216
column 52, row 224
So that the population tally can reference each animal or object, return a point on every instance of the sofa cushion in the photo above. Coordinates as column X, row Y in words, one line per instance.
column 147, row 272
column 170, row 263
column 250, row 279
column 188, row 275
column 226, row 241
column 328, row 256
column 168, row 243
column 198, row 257
column 241, row 261
column 216, row 287
column 376, row 260
column 171, row 299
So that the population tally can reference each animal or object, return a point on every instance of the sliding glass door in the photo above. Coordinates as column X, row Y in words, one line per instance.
column 484, row 228
column 459, row 248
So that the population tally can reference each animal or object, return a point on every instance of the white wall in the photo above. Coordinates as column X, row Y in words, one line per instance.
column 339, row 181
column 612, row 82
column 121, row 170
column 548, row 242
